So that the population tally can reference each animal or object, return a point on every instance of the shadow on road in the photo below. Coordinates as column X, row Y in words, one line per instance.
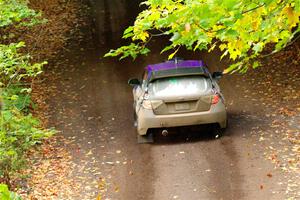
column 204, row 133
column 184, row 134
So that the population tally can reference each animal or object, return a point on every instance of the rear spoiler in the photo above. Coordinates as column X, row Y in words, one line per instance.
column 154, row 75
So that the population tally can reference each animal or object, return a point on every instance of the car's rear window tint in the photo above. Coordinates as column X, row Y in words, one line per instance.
column 183, row 86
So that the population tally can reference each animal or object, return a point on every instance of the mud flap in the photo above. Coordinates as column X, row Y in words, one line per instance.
column 144, row 139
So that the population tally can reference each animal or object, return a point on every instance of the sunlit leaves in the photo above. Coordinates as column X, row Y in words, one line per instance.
column 128, row 32
column 19, row 130
column 16, row 11
column 292, row 16
column 15, row 66
column 258, row 47
column 5, row 194
column 242, row 28
column 131, row 50
column 173, row 54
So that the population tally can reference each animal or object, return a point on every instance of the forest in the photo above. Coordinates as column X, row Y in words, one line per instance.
column 48, row 51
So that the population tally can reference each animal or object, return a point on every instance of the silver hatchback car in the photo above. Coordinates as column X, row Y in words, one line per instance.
column 177, row 93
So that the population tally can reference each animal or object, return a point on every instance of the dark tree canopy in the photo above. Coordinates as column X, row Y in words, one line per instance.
column 241, row 29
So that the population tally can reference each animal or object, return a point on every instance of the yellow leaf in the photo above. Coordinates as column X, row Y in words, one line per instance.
column 222, row 47
column 212, row 47
column 215, row 28
column 99, row 197
column 117, row 189
column 154, row 16
column 235, row 48
column 225, row 71
column 254, row 25
column 143, row 36
column 233, row 54
column 292, row 16
column 172, row 55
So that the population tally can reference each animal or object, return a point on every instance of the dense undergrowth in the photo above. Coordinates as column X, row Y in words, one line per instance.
column 19, row 130
column 30, row 33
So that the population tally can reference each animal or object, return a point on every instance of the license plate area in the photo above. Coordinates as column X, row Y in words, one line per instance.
column 182, row 106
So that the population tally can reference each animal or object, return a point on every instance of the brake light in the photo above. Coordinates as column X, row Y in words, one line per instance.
column 215, row 99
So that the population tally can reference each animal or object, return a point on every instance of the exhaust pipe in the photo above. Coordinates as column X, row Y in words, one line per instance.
column 165, row 132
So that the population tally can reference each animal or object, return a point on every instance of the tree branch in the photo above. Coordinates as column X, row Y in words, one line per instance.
column 274, row 52
column 246, row 11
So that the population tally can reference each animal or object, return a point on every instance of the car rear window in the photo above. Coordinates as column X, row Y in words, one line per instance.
column 183, row 86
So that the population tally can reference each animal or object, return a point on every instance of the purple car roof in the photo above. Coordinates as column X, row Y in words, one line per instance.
column 173, row 65
column 176, row 68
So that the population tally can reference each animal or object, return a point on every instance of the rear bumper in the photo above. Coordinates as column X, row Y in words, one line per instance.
column 147, row 119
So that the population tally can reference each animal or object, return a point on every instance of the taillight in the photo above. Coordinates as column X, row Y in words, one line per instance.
column 215, row 99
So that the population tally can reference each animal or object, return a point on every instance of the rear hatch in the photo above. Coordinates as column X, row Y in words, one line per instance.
column 180, row 95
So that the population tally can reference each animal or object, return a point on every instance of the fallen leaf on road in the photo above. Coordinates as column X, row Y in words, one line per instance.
column 261, row 187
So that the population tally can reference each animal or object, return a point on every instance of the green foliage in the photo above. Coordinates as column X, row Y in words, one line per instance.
column 17, row 11
column 18, row 133
column 15, row 66
column 19, row 130
column 18, row 98
column 5, row 194
column 130, row 50
column 240, row 28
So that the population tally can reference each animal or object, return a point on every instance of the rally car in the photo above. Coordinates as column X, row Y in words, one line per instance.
column 177, row 93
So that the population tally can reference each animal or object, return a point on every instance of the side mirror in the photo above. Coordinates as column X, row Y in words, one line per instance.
column 134, row 82
column 217, row 75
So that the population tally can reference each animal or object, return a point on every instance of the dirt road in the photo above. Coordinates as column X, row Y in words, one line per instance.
column 94, row 111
